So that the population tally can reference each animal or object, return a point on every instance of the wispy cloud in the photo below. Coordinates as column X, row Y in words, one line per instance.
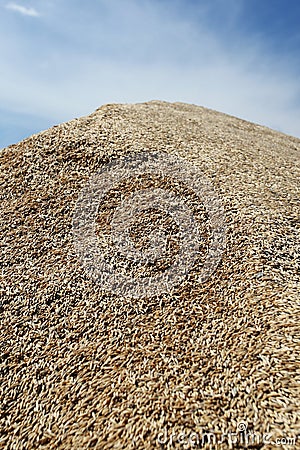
column 22, row 10
column 77, row 58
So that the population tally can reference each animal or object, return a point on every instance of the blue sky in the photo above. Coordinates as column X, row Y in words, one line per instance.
column 62, row 59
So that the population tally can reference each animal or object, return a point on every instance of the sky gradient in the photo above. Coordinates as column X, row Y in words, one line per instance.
column 62, row 59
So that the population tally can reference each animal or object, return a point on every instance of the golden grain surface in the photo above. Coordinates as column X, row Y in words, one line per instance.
column 81, row 368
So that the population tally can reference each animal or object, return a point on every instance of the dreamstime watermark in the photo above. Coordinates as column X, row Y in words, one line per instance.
column 113, row 258
column 241, row 437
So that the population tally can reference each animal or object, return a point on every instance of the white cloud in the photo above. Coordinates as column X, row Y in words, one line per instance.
column 22, row 10
column 131, row 51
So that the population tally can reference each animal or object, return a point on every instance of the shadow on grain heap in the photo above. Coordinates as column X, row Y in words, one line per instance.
column 84, row 366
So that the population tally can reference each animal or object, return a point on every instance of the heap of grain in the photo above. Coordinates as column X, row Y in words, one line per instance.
column 82, row 367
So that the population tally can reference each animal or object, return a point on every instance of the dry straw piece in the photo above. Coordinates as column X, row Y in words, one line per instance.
column 84, row 368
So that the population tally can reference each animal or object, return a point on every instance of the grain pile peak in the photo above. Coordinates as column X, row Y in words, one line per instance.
column 94, row 353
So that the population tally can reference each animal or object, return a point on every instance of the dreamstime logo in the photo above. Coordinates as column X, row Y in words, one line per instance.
column 136, row 226
column 241, row 438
